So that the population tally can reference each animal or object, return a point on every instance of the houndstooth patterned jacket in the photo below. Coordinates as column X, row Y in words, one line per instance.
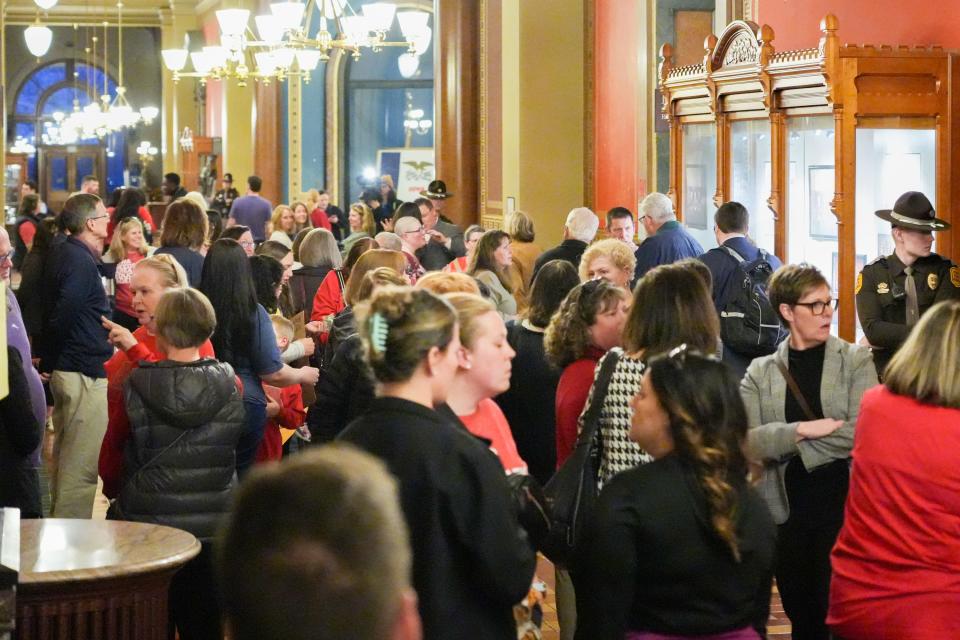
column 618, row 453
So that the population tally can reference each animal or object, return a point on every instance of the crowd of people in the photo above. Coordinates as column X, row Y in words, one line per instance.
column 422, row 384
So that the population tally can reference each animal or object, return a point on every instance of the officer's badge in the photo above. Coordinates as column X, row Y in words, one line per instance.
column 859, row 283
column 933, row 281
column 883, row 287
column 955, row 276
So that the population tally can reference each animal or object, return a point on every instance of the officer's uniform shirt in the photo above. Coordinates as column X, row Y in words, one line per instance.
column 882, row 299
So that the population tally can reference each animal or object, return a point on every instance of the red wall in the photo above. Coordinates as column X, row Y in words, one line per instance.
column 796, row 23
column 617, row 180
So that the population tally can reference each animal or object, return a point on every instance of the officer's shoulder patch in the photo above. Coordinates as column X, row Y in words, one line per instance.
column 859, row 283
column 955, row 276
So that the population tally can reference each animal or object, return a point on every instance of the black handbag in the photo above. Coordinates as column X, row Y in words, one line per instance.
column 572, row 491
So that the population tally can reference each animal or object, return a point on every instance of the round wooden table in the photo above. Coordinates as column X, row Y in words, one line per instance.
column 93, row 579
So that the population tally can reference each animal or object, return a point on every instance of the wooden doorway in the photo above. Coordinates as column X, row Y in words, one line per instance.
column 62, row 169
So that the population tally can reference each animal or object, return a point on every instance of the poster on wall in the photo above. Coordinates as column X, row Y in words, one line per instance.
column 412, row 170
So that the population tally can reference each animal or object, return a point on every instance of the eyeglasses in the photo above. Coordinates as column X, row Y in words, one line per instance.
column 99, row 217
column 818, row 307
column 7, row 257
column 420, row 230
column 247, row 243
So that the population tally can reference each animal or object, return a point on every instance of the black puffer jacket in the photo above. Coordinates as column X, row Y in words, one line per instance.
column 179, row 464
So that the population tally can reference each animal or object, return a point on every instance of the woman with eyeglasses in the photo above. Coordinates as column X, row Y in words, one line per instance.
column 682, row 547
column 803, row 403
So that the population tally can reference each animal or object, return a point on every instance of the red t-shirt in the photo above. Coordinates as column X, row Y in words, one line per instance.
column 320, row 220
column 896, row 563
column 292, row 414
column 118, row 423
column 328, row 300
column 572, row 392
column 489, row 423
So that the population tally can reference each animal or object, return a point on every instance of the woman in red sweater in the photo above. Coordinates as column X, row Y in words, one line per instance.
column 151, row 278
column 589, row 322
column 896, row 563
column 329, row 301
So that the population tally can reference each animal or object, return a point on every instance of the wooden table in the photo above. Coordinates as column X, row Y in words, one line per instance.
column 93, row 579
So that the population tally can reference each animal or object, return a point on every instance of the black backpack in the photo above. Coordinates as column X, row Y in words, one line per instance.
column 748, row 324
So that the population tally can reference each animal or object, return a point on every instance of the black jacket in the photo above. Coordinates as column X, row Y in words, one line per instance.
column 570, row 250
column 179, row 463
column 30, row 294
column 303, row 287
column 651, row 561
column 19, row 245
column 344, row 391
column 471, row 560
column 20, row 435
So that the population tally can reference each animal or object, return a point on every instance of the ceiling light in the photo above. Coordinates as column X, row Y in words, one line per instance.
column 175, row 59
column 45, row 4
column 233, row 22
column 38, row 39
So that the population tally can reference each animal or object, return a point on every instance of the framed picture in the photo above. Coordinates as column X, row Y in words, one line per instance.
column 884, row 244
column 860, row 263
column 695, row 196
column 820, row 184
column 412, row 169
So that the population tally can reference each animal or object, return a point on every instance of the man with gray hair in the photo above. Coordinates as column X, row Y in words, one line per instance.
column 72, row 351
column 389, row 240
column 578, row 231
column 667, row 241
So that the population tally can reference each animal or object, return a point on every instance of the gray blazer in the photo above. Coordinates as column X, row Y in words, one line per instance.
column 848, row 372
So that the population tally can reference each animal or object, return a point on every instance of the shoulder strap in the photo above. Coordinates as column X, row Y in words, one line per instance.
column 794, row 389
column 736, row 256
column 591, row 416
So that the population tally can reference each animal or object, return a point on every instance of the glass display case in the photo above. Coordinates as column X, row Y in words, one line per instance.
column 699, row 181
column 812, row 142
column 750, row 176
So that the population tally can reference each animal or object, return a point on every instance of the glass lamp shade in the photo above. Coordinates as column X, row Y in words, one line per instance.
column 283, row 58
column 331, row 8
column 217, row 56
column 408, row 64
column 38, row 39
column 201, row 61
column 289, row 14
column 45, row 4
column 149, row 113
column 269, row 28
column 355, row 28
column 266, row 64
column 379, row 15
column 233, row 22
column 412, row 22
column 421, row 41
column 175, row 59
column 308, row 59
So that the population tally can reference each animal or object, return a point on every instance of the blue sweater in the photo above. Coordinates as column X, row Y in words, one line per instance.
column 670, row 243
column 73, row 338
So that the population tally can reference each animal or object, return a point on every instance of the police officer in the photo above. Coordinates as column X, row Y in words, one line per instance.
column 225, row 197
column 894, row 291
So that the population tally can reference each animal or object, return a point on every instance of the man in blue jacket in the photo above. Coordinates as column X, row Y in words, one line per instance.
column 731, row 224
column 667, row 240
column 72, row 351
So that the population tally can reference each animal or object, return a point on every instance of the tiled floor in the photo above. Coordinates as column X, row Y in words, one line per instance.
column 778, row 628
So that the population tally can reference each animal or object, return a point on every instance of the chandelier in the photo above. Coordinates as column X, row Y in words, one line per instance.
column 282, row 47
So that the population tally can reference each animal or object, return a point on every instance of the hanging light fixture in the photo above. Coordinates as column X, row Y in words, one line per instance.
column 38, row 38
column 285, row 49
column 119, row 113
column 46, row 5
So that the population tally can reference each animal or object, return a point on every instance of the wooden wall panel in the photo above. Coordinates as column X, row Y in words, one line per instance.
column 267, row 154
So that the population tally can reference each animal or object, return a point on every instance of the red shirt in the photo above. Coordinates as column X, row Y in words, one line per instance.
column 572, row 392
column 320, row 220
column 328, row 300
column 457, row 265
column 489, row 423
column 292, row 415
column 118, row 423
column 896, row 563
column 123, row 295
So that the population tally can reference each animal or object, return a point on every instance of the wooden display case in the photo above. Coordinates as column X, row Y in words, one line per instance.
column 812, row 142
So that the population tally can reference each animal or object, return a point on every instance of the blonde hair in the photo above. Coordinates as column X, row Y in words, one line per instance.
column 185, row 318
column 117, row 250
column 925, row 367
column 379, row 277
column 617, row 251
column 414, row 321
column 171, row 273
column 470, row 308
column 520, row 227
column 283, row 327
column 368, row 262
column 366, row 214
column 197, row 198
column 441, row 283
column 277, row 215
column 306, row 225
